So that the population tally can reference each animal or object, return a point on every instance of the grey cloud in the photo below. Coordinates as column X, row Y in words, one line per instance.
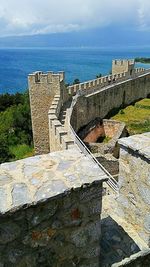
column 49, row 16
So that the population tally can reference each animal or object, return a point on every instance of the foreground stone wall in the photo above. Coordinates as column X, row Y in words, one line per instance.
column 50, row 210
column 64, row 231
column 134, row 183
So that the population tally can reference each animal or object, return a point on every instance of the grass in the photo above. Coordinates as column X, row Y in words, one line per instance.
column 106, row 139
column 142, row 59
column 21, row 151
column 136, row 117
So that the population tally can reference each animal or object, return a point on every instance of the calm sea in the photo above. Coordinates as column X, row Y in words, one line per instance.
column 82, row 63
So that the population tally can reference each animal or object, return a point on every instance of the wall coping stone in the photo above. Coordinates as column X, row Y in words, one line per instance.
column 139, row 143
column 132, row 258
column 38, row 178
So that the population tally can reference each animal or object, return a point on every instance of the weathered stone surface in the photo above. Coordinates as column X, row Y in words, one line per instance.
column 3, row 200
column 29, row 180
column 20, row 194
column 147, row 222
column 138, row 143
column 9, row 231
column 29, row 170
column 134, row 171
column 4, row 179
column 63, row 165
column 50, row 189
column 9, row 166
column 140, row 259
column 14, row 254
column 123, row 201
column 145, row 193
column 62, row 223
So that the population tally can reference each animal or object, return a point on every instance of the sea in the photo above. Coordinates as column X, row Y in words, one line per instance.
column 81, row 63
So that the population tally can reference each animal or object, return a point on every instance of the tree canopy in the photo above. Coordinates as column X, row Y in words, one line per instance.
column 15, row 124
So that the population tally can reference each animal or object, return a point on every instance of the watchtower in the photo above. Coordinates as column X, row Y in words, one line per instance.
column 42, row 89
column 122, row 65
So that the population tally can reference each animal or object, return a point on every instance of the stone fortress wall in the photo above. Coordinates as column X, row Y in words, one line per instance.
column 59, row 136
column 105, row 101
column 43, row 87
column 96, row 84
column 97, row 98
column 50, row 205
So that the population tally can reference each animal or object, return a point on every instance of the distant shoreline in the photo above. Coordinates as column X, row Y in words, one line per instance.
column 142, row 60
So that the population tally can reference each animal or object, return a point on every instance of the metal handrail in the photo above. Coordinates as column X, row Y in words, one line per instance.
column 111, row 181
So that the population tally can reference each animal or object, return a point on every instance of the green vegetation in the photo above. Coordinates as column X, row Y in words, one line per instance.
column 76, row 81
column 142, row 59
column 15, row 127
column 98, row 75
column 21, row 151
column 106, row 139
column 136, row 117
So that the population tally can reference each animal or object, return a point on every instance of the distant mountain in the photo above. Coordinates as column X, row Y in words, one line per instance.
column 98, row 37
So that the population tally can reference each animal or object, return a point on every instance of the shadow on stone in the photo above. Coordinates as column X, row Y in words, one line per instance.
column 115, row 243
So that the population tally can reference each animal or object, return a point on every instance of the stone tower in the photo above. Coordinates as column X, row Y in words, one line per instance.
column 119, row 66
column 42, row 89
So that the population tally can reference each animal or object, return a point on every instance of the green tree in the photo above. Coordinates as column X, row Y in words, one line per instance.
column 15, row 125
column 99, row 75
column 76, row 81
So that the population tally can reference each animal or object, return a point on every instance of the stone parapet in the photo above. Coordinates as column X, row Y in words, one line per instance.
column 50, row 210
column 99, row 83
column 134, row 173
column 59, row 136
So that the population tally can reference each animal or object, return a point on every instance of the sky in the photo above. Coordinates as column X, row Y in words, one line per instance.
column 33, row 17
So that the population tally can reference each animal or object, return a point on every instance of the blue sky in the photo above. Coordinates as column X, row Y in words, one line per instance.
column 32, row 17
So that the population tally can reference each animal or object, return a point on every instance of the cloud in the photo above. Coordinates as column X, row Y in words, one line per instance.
column 143, row 15
column 28, row 17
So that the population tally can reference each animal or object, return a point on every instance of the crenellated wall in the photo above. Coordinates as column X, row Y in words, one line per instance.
column 59, row 135
column 48, row 134
column 50, row 205
column 105, row 101
column 97, row 84
column 123, row 65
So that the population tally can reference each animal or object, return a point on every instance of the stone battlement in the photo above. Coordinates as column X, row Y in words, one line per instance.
column 123, row 61
column 104, row 81
column 119, row 65
column 58, row 134
column 49, row 77
column 44, row 86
